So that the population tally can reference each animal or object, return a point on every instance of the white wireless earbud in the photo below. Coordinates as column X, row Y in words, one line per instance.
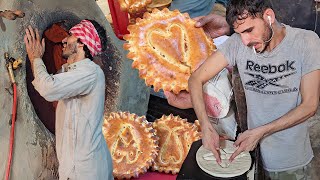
column 269, row 18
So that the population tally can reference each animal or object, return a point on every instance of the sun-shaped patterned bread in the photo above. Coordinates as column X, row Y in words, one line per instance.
column 176, row 137
column 166, row 48
column 132, row 142
column 133, row 6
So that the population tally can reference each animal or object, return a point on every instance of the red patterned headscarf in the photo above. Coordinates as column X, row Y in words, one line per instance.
column 88, row 35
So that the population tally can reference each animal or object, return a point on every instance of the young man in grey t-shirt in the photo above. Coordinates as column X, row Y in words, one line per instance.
column 279, row 67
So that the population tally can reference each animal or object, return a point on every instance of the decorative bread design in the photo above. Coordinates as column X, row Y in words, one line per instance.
column 132, row 142
column 160, row 4
column 176, row 137
column 197, row 123
column 166, row 48
column 133, row 6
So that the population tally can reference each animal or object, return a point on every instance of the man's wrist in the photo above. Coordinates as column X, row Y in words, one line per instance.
column 205, row 123
column 265, row 130
column 32, row 60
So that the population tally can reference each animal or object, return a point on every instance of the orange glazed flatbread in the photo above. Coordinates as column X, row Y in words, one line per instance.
column 160, row 4
column 166, row 48
column 132, row 143
column 176, row 136
column 133, row 6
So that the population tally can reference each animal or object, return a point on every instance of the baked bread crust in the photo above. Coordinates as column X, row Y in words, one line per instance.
column 132, row 142
column 176, row 136
column 133, row 6
column 159, row 3
column 166, row 48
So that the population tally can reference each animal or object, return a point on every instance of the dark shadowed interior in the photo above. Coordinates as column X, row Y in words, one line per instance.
column 53, row 60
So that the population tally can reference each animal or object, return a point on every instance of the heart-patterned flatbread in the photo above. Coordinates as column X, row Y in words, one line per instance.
column 132, row 142
column 133, row 6
column 166, row 48
column 176, row 137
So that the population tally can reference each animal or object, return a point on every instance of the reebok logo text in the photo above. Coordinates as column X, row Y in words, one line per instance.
column 270, row 69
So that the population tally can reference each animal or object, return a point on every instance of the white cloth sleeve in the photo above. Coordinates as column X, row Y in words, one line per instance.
column 64, row 85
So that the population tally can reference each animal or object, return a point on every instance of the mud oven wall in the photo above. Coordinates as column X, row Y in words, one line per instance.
column 34, row 154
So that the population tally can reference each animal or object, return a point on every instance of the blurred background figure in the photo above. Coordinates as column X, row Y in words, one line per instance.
column 196, row 8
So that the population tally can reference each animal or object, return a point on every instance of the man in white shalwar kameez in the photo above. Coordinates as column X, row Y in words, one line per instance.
column 80, row 91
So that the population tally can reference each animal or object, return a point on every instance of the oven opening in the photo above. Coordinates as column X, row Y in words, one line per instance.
column 53, row 60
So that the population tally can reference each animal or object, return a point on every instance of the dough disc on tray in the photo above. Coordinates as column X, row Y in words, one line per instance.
column 239, row 166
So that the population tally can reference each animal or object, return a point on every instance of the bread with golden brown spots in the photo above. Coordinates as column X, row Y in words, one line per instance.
column 176, row 136
column 166, row 48
column 133, row 6
column 132, row 142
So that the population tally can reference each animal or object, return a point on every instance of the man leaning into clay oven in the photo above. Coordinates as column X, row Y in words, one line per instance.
column 80, row 90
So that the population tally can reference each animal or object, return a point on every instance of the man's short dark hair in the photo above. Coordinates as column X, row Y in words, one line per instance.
column 102, row 35
column 241, row 9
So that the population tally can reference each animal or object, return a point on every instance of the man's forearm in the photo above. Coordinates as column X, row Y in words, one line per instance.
column 34, row 66
column 196, row 92
column 292, row 118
